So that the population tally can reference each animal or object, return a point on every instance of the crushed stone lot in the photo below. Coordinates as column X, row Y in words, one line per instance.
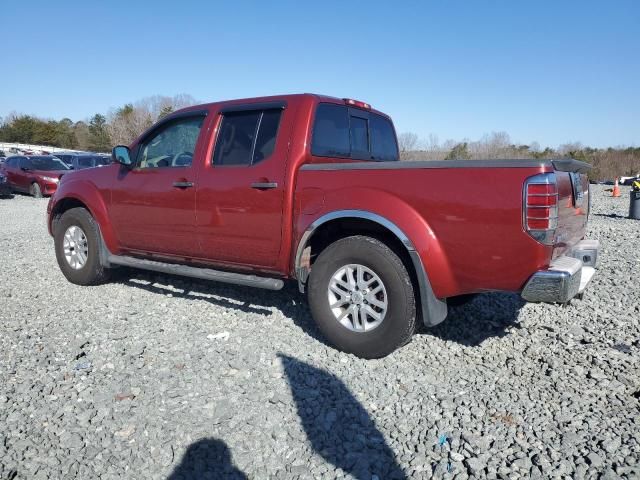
column 153, row 376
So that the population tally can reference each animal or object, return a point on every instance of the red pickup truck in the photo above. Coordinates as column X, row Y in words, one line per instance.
column 308, row 187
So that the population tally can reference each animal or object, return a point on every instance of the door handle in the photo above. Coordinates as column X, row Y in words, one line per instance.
column 264, row 185
column 183, row 185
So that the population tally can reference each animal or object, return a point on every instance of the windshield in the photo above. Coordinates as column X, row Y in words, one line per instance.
column 44, row 163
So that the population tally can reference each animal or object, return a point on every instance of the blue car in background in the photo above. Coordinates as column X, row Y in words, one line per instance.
column 79, row 161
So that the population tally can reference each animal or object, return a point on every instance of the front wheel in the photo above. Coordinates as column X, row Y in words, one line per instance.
column 77, row 243
column 362, row 298
column 35, row 190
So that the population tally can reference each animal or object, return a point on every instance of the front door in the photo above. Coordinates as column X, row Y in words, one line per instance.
column 153, row 204
column 241, row 188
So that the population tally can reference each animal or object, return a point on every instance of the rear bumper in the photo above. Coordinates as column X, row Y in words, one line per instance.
column 566, row 277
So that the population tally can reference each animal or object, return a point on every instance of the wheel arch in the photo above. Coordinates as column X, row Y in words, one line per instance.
column 62, row 206
column 82, row 195
column 342, row 223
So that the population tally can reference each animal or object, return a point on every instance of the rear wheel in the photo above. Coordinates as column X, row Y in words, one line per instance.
column 361, row 296
column 35, row 190
column 77, row 244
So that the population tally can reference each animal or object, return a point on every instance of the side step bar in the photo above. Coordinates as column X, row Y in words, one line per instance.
column 196, row 272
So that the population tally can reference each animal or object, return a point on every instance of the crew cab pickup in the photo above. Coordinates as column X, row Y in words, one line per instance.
column 309, row 188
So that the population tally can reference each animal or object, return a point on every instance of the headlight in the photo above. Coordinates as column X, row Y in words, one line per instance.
column 50, row 179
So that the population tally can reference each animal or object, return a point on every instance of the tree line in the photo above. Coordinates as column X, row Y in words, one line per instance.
column 99, row 133
column 607, row 163
column 122, row 125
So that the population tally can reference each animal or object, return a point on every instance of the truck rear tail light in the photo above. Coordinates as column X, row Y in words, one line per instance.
column 357, row 103
column 540, row 207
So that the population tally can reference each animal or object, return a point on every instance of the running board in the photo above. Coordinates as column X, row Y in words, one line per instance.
column 196, row 272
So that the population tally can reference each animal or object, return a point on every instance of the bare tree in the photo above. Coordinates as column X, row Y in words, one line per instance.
column 496, row 145
column 128, row 122
column 155, row 105
column 567, row 148
column 407, row 142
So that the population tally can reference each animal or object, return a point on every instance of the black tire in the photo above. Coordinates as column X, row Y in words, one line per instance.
column 92, row 272
column 35, row 190
column 398, row 325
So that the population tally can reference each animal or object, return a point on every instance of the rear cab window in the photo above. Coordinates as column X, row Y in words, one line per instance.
column 347, row 132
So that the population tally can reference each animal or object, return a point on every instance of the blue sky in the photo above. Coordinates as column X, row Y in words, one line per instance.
column 551, row 71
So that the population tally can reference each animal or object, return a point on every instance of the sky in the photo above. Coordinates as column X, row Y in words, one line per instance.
column 547, row 71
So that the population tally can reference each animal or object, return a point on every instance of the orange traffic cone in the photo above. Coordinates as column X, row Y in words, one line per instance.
column 616, row 189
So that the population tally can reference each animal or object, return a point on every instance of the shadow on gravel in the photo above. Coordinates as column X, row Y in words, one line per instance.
column 337, row 426
column 207, row 458
column 180, row 287
column 609, row 215
column 289, row 300
column 487, row 315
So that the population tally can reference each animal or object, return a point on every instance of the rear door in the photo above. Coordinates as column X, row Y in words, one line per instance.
column 241, row 187
column 153, row 204
column 12, row 169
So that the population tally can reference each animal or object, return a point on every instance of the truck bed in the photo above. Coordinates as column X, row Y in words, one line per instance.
column 471, row 210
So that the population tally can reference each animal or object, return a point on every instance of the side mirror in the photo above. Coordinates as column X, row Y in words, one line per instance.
column 122, row 155
column 25, row 169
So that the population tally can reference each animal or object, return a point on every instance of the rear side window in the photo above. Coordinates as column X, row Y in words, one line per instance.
column 331, row 131
column 267, row 133
column 340, row 131
column 247, row 137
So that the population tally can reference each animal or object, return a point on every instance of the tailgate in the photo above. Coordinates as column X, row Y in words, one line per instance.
column 573, row 203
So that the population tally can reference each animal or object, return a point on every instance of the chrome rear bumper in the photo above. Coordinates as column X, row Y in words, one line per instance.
column 566, row 277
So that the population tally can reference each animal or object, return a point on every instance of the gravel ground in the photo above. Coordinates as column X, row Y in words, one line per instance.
column 153, row 376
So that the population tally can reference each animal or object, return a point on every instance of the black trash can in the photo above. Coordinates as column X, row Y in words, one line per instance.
column 634, row 205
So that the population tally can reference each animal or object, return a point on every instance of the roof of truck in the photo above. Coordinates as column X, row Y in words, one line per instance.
column 240, row 101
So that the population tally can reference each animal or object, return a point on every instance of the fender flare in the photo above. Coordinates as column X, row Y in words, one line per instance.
column 87, row 194
column 434, row 310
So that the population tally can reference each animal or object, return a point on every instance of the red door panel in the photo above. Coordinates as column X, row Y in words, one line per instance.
column 149, row 214
column 238, row 223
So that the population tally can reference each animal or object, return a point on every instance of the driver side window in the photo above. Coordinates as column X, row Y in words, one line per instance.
column 171, row 146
